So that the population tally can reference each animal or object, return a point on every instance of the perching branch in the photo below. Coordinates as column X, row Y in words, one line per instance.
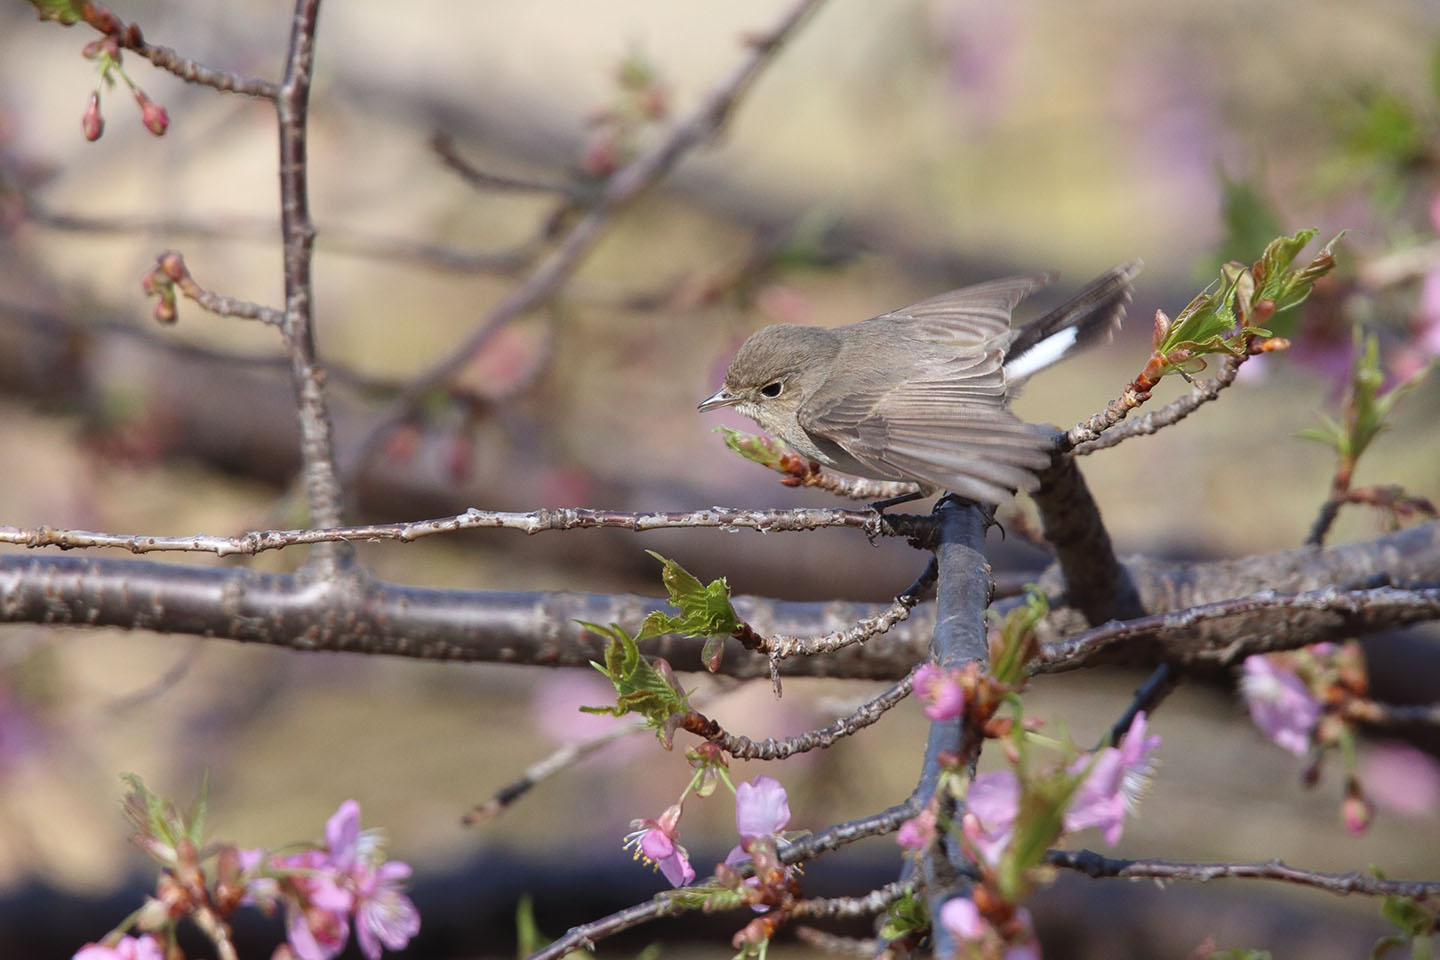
column 538, row 521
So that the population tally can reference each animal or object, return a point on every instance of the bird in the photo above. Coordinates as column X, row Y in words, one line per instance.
column 922, row 393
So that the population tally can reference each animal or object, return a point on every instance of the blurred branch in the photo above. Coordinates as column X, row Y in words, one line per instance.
column 1378, row 714
column 539, row 521
column 262, row 230
column 782, row 648
column 444, row 148
column 1096, row 866
column 873, row 902
column 702, row 125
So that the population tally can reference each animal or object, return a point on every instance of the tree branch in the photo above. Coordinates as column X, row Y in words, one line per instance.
column 538, row 521
column 1096, row 866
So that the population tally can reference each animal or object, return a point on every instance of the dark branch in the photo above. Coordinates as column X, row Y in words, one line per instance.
column 1096, row 866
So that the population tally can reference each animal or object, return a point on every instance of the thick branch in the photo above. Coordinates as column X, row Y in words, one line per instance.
column 1095, row 580
column 538, row 628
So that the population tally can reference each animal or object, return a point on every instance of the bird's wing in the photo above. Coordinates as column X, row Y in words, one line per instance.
column 942, row 421
column 970, row 315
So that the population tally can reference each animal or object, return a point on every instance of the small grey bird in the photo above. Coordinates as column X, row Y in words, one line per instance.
column 922, row 393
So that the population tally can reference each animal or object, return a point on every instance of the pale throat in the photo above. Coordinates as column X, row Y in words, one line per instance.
column 786, row 428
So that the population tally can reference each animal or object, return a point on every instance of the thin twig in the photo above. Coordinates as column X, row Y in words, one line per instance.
column 1376, row 714
column 743, row 748
column 1096, row 866
column 702, row 125
column 538, row 521
column 834, row 907
column 444, row 147
column 1201, row 393
column 1149, row 695
column 1079, row 651
column 172, row 265
column 584, row 936
column 334, row 240
column 128, row 36
column 783, row 647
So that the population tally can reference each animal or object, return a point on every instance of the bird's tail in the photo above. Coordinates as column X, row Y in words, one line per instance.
column 1091, row 316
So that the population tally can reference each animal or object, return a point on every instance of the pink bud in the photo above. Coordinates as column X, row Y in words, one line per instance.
column 91, row 122
column 152, row 115
column 601, row 156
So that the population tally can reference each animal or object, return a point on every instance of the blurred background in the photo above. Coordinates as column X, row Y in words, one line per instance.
column 892, row 151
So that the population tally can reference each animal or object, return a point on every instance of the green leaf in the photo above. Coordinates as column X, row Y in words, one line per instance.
column 1039, row 821
column 1411, row 917
column 1365, row 409
column 705, row 609
column 1017, row 644
column 906, row 915
column 528, row 937
column 1225, row 317
column 66, row 12
column 641, row 687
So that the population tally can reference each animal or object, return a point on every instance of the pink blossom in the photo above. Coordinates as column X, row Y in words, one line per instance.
column 991, row 805
column 919, row 831
column 383, row 913
column 1116, row 778
column 962, row 918
column 1402, row 779
column 127, row 948
column 1280, row 703
column 322, row 889
column 656, row 842
column 944, row 697
column 762, row 809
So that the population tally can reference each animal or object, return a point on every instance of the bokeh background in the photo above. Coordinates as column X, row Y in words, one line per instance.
column 891, row 152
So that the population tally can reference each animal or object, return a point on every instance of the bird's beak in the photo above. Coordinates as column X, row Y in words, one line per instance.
column 717, row 400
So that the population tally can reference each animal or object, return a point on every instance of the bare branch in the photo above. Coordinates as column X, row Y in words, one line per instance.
column 701, row 126
column 834, row 943
column 1174, row 636
column 1376, row 714
column 871, row 903
column 539, row 521
column 1201, row 393
column 128, row 36
column 317, row 444
column 585, row 935
column 783, row 647
column 1096, row 866
column 336, row 240
column 535, row 774
column 171, row 265
column 743, row 748
column 444, row 148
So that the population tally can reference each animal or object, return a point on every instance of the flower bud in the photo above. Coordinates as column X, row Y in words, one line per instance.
column 91, row 121
column 152, row 115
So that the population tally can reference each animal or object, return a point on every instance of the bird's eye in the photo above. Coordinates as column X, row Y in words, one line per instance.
column 772, row 390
